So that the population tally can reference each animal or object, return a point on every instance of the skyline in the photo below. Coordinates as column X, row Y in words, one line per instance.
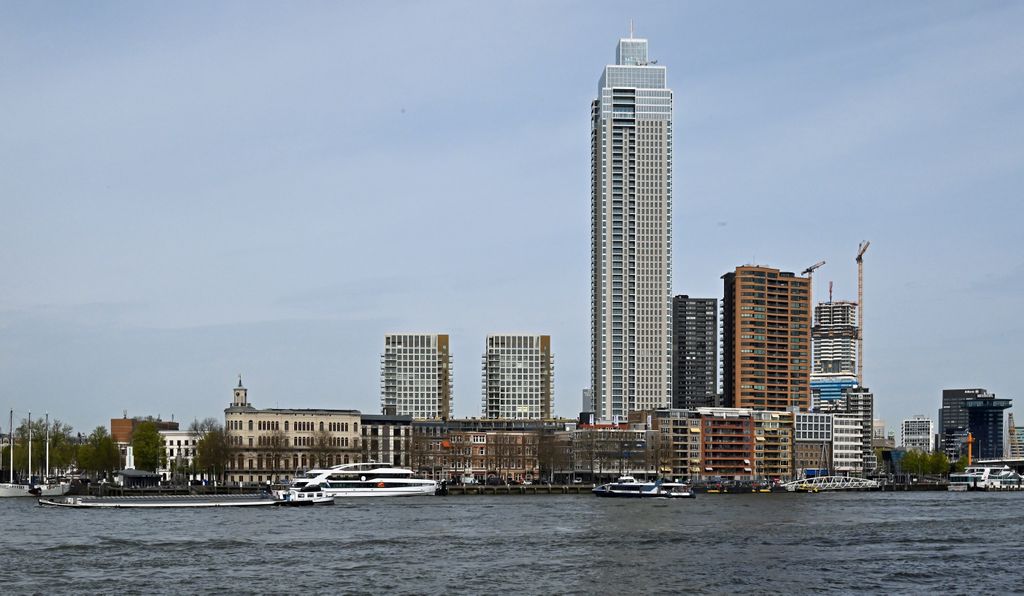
column 179, row 189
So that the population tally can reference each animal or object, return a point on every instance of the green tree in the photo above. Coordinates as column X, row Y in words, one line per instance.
column 912, row 462
column 99, row 455
column 961, row 464
column 938, row 463
column 214, row 451
column 148, row 447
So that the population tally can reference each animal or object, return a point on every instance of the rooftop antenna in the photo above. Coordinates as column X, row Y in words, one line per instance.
column 631, row 28
column 830, row 292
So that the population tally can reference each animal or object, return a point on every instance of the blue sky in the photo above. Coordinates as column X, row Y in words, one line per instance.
column 194, row 191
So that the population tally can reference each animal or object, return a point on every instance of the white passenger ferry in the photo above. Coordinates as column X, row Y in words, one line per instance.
column 986, row 478
column 368, row 479
column 629, row 487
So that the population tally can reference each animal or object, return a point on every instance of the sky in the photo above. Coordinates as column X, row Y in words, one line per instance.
column 198, row 190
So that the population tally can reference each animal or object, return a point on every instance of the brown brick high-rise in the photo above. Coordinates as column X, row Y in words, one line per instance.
column 766, row 343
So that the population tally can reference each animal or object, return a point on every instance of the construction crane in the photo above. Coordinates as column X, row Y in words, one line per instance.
column 861, row 249
column 809, row 272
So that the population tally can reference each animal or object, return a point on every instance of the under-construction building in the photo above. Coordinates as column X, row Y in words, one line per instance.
column 834, row 338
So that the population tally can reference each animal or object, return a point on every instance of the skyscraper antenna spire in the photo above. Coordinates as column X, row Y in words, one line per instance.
column 631, row 28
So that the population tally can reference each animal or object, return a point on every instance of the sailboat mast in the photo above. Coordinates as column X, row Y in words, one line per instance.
column 47, row 474
column 30, row 448
column 11, row 441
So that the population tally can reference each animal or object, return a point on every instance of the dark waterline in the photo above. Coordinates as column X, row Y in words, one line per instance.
column 799, row 543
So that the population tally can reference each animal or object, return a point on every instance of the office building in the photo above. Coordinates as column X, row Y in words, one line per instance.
column 917, row 433
column 694, row 352
column 766, row 339
column 518, row 377
column 631, row 235
column 953, row 420
column 985, row 423
column 416, row 376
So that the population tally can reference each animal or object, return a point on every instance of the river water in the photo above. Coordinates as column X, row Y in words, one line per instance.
column 794, row 543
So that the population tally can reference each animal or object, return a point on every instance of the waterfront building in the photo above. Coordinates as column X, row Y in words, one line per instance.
column 272, row 445
column 985, row 422
column 694, row 352
column 631, row 235
column 953, row 419
column 681, row 431
column 812, row 444
column 916, row 433
column 416, row 376
column 858, row 402
column 482, row 449
column 386, row 439
column 726, row 443
column 847, row 444
column 518, row 377
column 766, row 339
column 773, row 445
column 603, row 452
column 179, row 453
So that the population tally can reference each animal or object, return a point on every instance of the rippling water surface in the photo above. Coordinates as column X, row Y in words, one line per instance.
column 799, row 543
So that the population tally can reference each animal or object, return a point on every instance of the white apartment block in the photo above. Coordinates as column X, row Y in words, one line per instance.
column 917, row 433
column 847, row 444
column 180, row 451
column 631, row 235
column 416, row 376
column 518, row 377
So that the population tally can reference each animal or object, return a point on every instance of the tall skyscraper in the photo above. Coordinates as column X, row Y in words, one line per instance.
column 766, row 339
column 416, row 376
column 694, row 352
column 631, row 235
column 518, row 377
column 834, row 338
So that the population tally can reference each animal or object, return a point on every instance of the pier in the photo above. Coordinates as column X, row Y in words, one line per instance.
column 520, row 489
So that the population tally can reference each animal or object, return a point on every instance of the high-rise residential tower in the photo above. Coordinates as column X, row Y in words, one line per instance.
column 766, row 339
column 416, row 376
column 694, row 352
column 518, row 377
column 631, row 235
column 834, row 339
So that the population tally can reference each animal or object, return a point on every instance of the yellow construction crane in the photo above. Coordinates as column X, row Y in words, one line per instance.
column 861, row 249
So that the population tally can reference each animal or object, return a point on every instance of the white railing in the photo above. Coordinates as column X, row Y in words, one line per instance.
column 831, row 483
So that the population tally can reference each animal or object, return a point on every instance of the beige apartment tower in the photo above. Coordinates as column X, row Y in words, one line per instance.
column 518, row 377
column 631, row 236
column 416, row 376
